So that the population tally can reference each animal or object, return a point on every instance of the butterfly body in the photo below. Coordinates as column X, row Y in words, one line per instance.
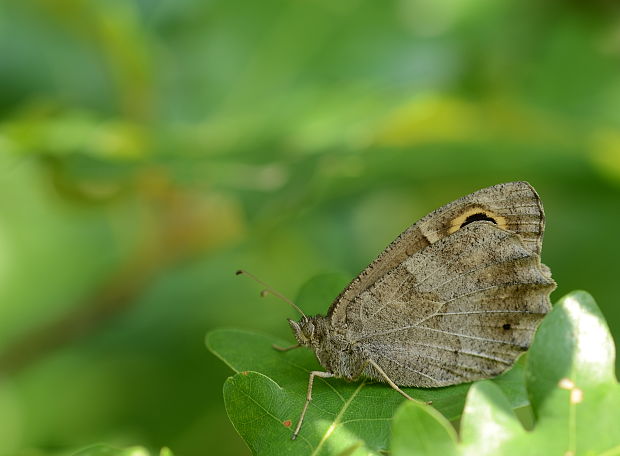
column 335, row 348
column 432, row 330
column 455, row 298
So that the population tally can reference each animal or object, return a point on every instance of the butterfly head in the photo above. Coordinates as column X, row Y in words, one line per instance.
column 304, row 330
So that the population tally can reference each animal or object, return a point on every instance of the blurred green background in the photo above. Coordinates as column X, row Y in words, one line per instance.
column 148, row 149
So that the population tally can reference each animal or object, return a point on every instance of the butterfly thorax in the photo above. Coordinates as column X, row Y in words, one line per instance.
column 332, row 347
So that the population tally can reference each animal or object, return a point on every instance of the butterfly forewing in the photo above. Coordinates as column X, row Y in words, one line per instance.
column 458, row 295
column 513, row 206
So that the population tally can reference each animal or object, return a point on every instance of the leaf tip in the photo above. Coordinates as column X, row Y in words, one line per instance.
column 209, row 339
column 581, row 297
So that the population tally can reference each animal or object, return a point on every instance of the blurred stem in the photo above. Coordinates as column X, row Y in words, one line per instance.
column 109, row 299
column 115, row 29
column 181, row 230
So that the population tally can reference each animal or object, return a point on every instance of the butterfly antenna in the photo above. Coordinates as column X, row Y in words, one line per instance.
column 271, row 291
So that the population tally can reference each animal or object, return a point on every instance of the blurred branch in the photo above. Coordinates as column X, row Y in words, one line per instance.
column 116, row 32
column 186, row 225
column 112, row 297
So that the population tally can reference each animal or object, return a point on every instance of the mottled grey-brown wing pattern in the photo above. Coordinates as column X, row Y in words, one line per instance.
column 513, row 206
column 460, row 309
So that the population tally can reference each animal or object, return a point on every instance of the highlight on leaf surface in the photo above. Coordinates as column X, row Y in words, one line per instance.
column 105, row 450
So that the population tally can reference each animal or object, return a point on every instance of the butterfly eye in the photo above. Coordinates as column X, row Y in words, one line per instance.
column 309, row 329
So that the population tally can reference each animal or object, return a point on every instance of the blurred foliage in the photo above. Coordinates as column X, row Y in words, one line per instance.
column 148, row 149
column 104, row 450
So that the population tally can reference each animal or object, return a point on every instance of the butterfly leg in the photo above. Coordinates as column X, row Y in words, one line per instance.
column 285, row 349
column 389, row 380
column 309, row 398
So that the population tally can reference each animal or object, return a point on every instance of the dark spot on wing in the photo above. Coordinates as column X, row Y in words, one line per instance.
column 477, row 217
column 506, row 326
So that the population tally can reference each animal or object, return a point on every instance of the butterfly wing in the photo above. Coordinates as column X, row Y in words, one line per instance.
column 460, row 309
column 513, row 206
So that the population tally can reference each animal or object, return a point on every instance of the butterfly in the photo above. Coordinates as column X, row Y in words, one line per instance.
column 455, row 298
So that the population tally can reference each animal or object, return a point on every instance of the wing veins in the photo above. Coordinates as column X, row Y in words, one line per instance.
column 514, row 206
column 473, row 337
column 466, row 352
column 409, row 368
column 451, row 367
column 473, row 312
column 460, row 296
column 392, row 297
column 404, row 328
column 481, row 268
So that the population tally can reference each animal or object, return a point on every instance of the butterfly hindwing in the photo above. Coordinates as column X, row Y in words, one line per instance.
column 458, row 310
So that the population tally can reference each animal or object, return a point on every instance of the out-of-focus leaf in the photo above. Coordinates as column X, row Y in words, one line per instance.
column 104, row 450
column 317, row 294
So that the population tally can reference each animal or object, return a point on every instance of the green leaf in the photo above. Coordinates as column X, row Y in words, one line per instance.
column 570, row 380
column 421, row 430
column 265, row 414
column 317, row 293
column 105, row 450
column 574, row 344
column 487, row 404
column 270, row 388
